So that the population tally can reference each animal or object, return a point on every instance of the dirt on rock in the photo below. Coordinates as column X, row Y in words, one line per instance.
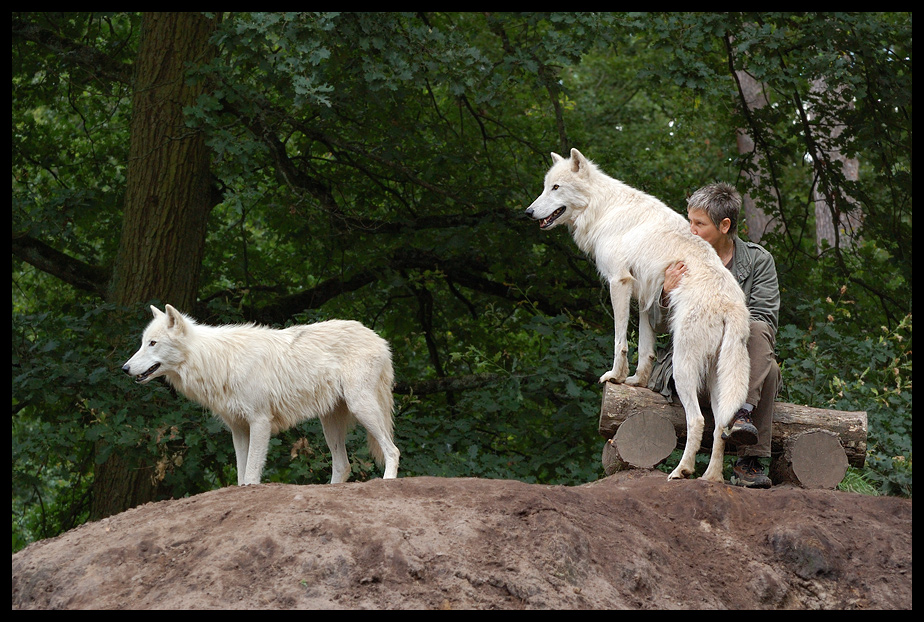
column 633, row 540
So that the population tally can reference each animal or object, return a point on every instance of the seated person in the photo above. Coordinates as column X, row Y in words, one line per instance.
column 713, row 214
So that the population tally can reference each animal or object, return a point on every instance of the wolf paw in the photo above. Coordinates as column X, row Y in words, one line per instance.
column 680, row 473
column 712, row 477
column 637, row 380
column 613, row 376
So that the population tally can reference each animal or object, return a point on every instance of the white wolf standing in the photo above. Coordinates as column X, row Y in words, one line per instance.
column 261, row 381
column 633, row 237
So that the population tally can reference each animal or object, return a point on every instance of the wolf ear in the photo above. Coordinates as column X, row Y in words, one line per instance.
column 578, row 160
column 174, row 318
column 156, row 312
column 556, row 158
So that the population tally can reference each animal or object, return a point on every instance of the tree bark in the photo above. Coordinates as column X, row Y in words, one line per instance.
column 758, row 221
column 168, row 190
column 837, row 215
column 167, row 203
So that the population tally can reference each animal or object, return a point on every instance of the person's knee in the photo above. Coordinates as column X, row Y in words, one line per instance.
column 774, row 379
column 761, row 339
column 760, row 329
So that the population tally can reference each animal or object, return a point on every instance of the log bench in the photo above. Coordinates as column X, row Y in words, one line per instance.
column 810, row 447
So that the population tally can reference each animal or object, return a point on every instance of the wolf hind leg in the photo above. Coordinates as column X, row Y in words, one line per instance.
column 376, row 416
column 335, row 425
column 721, row 412
column 717, row 459
column 686, row 384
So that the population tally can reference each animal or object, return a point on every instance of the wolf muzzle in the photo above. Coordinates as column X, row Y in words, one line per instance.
column 545, row 222
column 141, row 377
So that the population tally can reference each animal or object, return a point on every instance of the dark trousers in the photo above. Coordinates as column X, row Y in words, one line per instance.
column 763, row 388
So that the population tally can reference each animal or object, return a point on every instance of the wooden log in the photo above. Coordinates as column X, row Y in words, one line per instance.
column 611, row 460
column 812, row 459
column 621, row 401
column 644, row 440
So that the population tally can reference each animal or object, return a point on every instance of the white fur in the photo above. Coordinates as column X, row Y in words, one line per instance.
column 633, row 237
column 260, row 381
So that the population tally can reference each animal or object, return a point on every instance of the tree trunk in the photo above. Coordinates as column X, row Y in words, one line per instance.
column 167, row 203
column 758, row 221
column 837, row 215
column 168, row 190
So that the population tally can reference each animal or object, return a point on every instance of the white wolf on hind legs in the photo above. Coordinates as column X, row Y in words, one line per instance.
column 260, row 381
column 633, row 237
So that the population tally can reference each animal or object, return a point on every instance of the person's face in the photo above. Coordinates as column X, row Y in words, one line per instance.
column 702, row 226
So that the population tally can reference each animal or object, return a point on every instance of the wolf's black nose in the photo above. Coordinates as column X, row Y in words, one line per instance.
column 126, row 369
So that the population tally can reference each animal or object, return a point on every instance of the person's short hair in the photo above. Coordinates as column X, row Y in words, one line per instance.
column 719, row 201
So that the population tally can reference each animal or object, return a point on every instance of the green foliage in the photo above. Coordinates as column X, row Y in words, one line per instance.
column 541, row 403
column 835, row 85
column 833, row 365
column 69, row 136
column 52, row 460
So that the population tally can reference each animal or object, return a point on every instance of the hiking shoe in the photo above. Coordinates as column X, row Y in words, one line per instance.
column 749, row 473
column 742, row 431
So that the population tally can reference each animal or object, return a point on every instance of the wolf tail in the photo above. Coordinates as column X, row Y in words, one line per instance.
column 733, row 368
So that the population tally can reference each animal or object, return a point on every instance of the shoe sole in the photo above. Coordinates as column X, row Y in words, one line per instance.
column 743, row 435
column 737, row 481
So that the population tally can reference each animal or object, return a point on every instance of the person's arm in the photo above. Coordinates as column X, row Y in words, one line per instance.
column 659, row 312
column 764, row 299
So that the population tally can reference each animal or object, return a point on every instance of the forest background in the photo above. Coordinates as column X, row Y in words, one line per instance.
column 295, row 167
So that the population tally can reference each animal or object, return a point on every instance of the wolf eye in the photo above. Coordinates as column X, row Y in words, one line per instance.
column 555, row 187
column 152, row 344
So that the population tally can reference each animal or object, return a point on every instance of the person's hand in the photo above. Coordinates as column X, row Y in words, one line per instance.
column 672, row 276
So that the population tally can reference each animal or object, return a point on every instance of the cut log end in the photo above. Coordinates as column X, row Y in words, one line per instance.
column 645, row 440
column 812, row 459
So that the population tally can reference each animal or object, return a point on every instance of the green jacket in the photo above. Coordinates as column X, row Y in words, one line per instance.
column 755, row 271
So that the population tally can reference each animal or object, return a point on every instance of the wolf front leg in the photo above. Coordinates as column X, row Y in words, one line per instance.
column 621, row 296
column 260, row 431
column 335, row 426
column 646, row 351
column 240, row 437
